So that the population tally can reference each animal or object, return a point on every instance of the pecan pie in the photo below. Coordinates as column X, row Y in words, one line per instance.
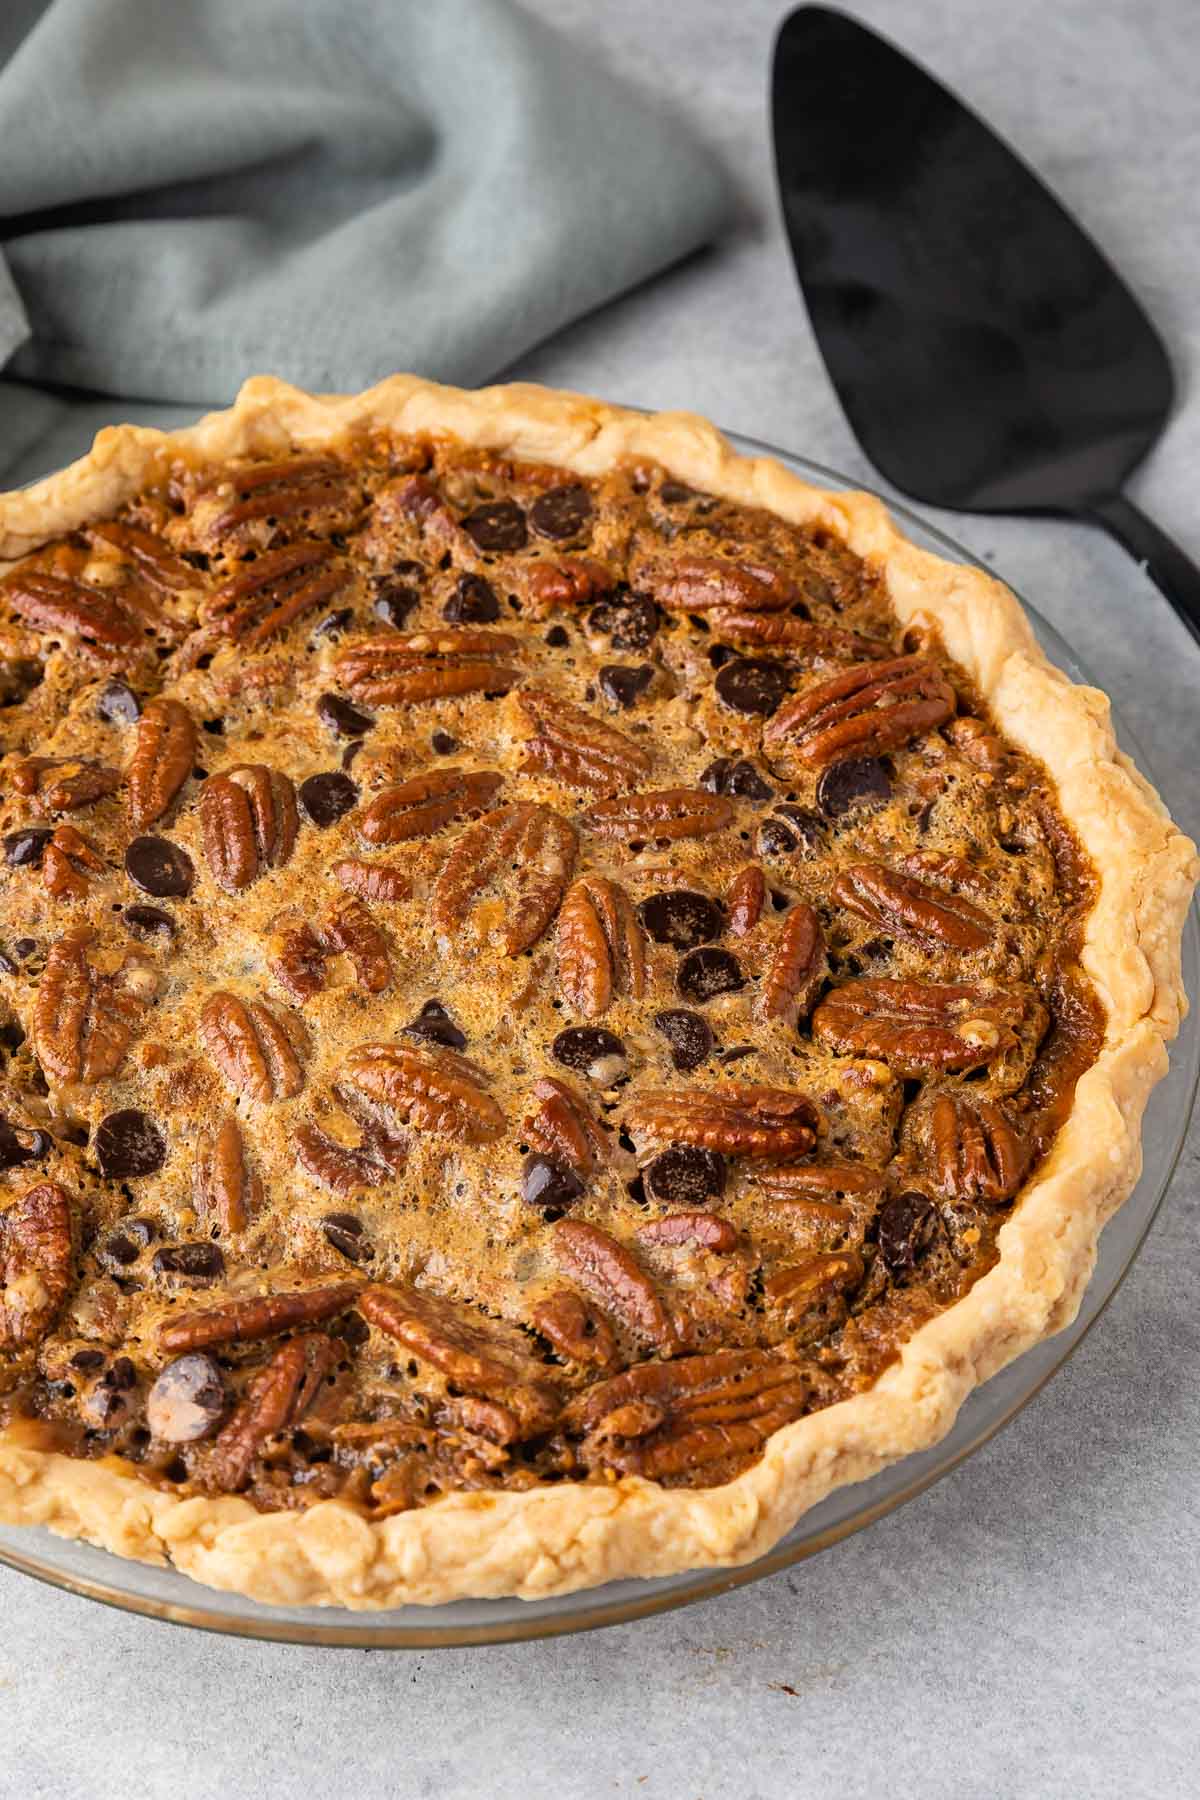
column 561, row 993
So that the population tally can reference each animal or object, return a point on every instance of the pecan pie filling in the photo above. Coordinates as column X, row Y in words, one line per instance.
column 505, row 979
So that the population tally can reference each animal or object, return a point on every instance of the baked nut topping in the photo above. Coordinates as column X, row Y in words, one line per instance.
column 513, row 978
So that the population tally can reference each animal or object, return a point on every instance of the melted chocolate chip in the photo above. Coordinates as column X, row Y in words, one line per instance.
column 556, row 637
column 393, row 601
column 120, row 1249
column 342, row 718
column 160, row 868
column 753, row 687
column 19, row 1146
column 88, row 1359
column 561, row 513
column 719, row 654
column 685, row 1176
column 345, row 1232
column 434, row 1024
column 740, row 780
column 25, row 849
column 689, row 1036
column 855, row 781
column 328, row 797
column 443, row 743
column 334, row 623
column 202, row 1262
column 149, row 922
column 631, row 623
column 499, row 525
column 907, row 1226
column 791, row 830
column 703, row 974
column 674, row 493
column 591, row 1051
column 549, row 1185
column 623, row 683
column 118, row 704
column 473, row 602
column 681, row 918
column 188, row 1400
column 129, row 1143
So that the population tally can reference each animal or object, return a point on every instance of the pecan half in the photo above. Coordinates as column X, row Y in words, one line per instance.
column 82, row 1022
column 521, row 856
column 57, row 784
column 164, row 752
column 67, row 862
column 35, row 1263
column 976, row 1153
column 296, row 957
column 946, row 869
column 803, row 637
column 698, row 1230
column 419, row 807
column 342, row 1168
column 157, row 566
column 868, row 709
column 601, row 949
column 56, row 603
column 737, row 1120
column 744, row 899
column 262, row 1315
column 820, row 1183
column 576, row 1330
column 473, row 1352
column 373, row 881
column 607, row 1272
column 671, row 813
column 797, row 967
column 902, row 906
column 816, row 1282
column 562, row 1127
column 427, row 665
column 350, row 930
column 697, row 584
column 223, row 1186
column 915, row 1027
column 277, row 1397
column 426, row 1089
column 269, row 491
column 664, row 1419
column 248, row 823
column 574, row 747
column 250, row 1047
column 276, row 589
column 568, row 581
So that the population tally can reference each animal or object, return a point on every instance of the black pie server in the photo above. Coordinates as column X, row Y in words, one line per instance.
column 987, row 356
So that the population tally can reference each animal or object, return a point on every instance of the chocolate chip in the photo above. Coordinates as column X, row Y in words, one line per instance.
column 685, row 1176
column 344, row 1222
column 907, row 1226
column 789, row 830
column 393, row 601
column 149, row 922
column 740, row 780
column 549, row 1185
column 345, row 1232
column 201, row 1261
column 119, row 1249
column 688, row 1034
column 681, row 918
column 434, row 1024
column 674, row 493
column 499, row 525
column 88, row 1359
column 735, row 1053
column 160, row 868
column 25, row 849
column 591, row 1051
column 129, row 1143
column 443, row 743
column 188, row 1400
column 719, row 654
column 556, row 637
column 122, row 1375
column 19, row 1146
column 755, row 687
column 118, row 704
column 855, row 781
column 328, row 797
column 334, row 623
column 473, row 602
column 342, row 718
column 631, row 623
column 703, row 974
column 561, row 512
column 623, row 683
column 24, row 948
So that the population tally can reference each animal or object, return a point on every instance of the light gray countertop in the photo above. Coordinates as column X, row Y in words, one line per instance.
column 1030, row 1626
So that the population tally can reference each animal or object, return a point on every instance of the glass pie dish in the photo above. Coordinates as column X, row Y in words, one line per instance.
column 168, row 1594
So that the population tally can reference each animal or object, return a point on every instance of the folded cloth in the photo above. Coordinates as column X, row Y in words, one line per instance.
column 326, row 189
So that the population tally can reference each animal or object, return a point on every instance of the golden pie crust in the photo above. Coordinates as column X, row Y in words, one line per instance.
column 555, row 1538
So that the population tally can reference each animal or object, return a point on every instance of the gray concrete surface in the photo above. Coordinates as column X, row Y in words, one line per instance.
column 1029, row 1626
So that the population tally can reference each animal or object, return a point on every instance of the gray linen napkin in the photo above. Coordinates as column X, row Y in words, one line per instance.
column 195, row 190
